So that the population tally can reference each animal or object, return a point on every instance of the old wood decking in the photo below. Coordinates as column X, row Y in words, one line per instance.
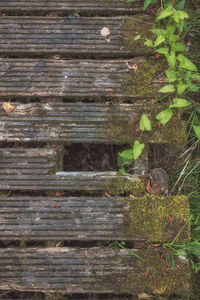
column 68, row 84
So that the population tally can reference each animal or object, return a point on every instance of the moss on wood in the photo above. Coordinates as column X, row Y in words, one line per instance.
column 126, row 128
column 158, row 277
column 138, row 25
column 153, row 275
column 142, row 80
column 158, row 218
column 124, row 186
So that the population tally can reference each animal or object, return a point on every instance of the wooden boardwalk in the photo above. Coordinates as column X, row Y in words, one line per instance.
column 69, row 84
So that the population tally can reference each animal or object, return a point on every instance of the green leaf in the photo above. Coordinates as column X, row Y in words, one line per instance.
column 172, row 38
column 125, row 158
column 148, row 43
column 164, row 116
column 122, row 170
column 195, row 77
column 197, row 131
column 193, row 88
column 145, row 123
column 137, row 149
column 159, row 40
column 74, row 14
column 180, row 5
column 180, row 102
column 188, row 75
column 167, row 89
column 171, row 75
column 137, row 37
column 170, row 29
column 182, row 14
column 171, row 59
column 179, row 47
column 132, row 0
column 159, row 31
column 147, row 3
column 164, row 14
column 175, row 16
column 181, row 87
column 127, row 154
column 163, row 50
column 185, row 63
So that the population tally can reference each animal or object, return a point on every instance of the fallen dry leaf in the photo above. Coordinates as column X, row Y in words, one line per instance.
column 134, row 66
column 107, row 40
column 59, row 194
column 106, row 194
column 8, row 107
column 156, row 245
column 105, row 31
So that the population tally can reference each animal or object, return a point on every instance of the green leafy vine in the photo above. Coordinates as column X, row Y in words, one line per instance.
column 181, row 75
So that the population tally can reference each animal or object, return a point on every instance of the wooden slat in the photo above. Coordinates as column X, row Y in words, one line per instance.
column 93, row 218
column 37, row 169
column 72, row 122
column 68, row 6
column 68, row 181
column 94, row 270
column 42, row 35
column 80, row 78
column 22, row 162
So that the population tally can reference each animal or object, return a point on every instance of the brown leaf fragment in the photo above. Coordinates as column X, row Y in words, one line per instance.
column 107, row 40
column 134, row 66
column 8, row 107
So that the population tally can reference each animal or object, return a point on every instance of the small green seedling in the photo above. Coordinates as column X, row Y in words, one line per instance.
column 74, row 14
column 127, row 157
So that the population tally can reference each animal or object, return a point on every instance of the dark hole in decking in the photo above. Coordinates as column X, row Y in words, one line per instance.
column 92, row 157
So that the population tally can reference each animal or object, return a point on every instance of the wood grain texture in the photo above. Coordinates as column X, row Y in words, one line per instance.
column 70, row 6
column 22, row 162
column 72, row 122
column 94, row 270
column 87, row 219
column 67, row 181
column 80, row 78
column 68, row 36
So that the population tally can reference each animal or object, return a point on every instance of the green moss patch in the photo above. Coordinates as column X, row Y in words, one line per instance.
column 158, row 218
column 173, row 133
column 139, row 82
column 152, row 275
column 138, row 25
column 156, row 275
column 124, row 185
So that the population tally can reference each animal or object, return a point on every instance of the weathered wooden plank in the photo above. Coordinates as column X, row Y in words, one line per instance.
column 42, row 35
column 81, row 78
column 70, row 6
column 22, row 162
column 70, row 181
column 37, row 169
column 94, row 270
column 73, row 122
column 94, row 218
